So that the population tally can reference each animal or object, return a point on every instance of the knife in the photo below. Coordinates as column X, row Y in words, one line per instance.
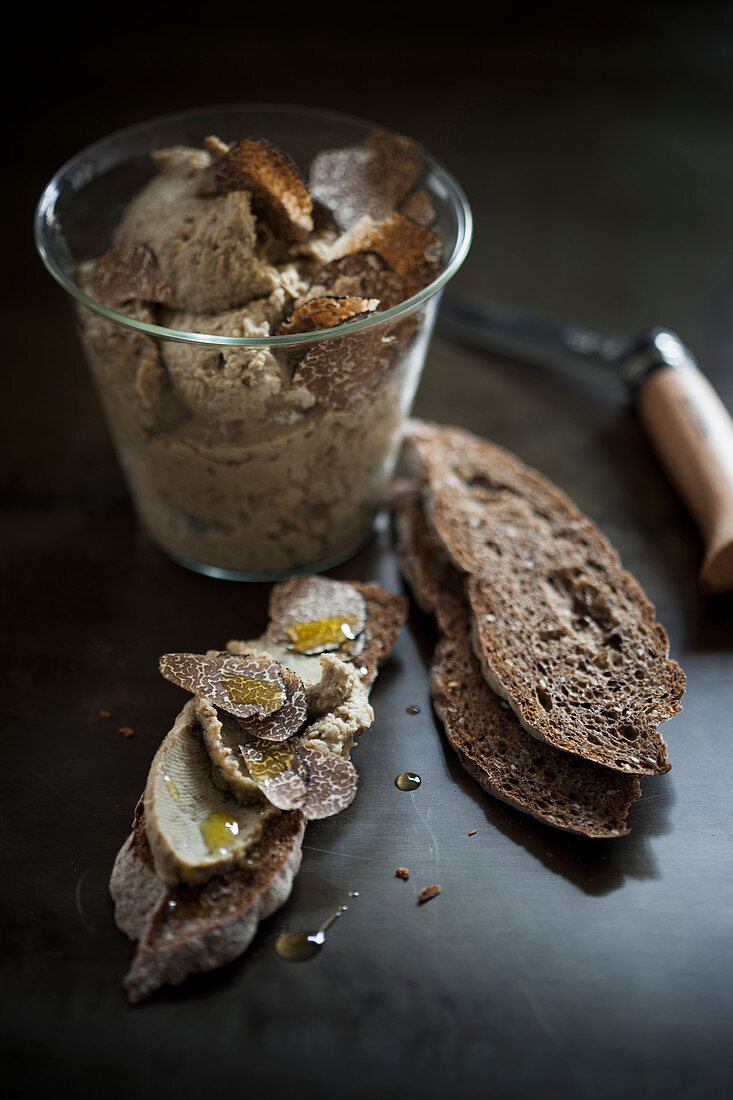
column 688, row 425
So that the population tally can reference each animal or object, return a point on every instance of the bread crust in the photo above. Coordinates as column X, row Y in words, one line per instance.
column 562, row 632
column 555, row 787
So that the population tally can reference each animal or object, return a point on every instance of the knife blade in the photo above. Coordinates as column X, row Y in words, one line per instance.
column 687, row 424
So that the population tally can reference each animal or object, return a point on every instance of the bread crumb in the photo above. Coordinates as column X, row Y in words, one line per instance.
column 473, row 832
column 126, row 731
column 428, row 893
column 105, row 714
column 403, row 873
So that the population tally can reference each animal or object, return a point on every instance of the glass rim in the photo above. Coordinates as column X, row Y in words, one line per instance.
column 50, row 194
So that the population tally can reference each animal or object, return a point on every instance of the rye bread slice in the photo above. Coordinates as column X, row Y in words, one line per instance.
column 186, row 930
column 561, row 630
column 555, row 787
column 386, row 615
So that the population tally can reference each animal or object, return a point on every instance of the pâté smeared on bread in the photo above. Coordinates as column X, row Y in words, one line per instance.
column 261, row 747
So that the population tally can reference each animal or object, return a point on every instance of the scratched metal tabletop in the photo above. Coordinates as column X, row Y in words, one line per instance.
column 595, row 150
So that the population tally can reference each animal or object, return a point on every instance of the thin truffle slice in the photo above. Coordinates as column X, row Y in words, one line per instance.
column 410, row 249
column 302, row 776
column 331, row 784
column 242, row 686
column 326, row 311
column 313, row 615
column 362, row 274
column 562, row 631
column 274, row 182
column 370, row 178
column 347, row 373
column 279, row 771
column 286, row 721
column 128, row 272
column 555, row 787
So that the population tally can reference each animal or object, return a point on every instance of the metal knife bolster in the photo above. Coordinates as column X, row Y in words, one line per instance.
column 657, row 349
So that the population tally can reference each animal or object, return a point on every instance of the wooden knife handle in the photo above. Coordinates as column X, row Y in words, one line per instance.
column 692, row 432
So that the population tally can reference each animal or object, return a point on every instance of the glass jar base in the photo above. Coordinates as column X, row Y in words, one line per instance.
column 268, row 575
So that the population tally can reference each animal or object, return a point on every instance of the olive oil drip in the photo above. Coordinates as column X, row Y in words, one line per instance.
column 189, row 909
column 172, row 788
column 245, row 690
column 301, row 946
column 219, row 831
column 407, row 781
column 336, row 630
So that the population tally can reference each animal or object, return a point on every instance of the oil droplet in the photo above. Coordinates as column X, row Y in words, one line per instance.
column 301, row 946
column 172, row 788
column 413, row 709
column 353, row 893
column 336, row 630
column 219, row 831
column 408, row 781
column 189, row 909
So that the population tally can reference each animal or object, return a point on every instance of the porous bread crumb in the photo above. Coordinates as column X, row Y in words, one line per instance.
column 403, row 873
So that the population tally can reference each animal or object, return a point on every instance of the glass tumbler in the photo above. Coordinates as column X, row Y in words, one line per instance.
column 250, row 457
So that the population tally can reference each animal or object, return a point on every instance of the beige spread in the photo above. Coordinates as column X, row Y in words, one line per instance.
column 232, row 463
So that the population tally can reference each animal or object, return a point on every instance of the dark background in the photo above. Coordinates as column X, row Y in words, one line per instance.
column 595, row 144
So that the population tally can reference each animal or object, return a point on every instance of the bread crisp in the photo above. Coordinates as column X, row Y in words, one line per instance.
column 561, row 630
column 555, row 787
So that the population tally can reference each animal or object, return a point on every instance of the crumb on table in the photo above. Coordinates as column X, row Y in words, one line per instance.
column 427, row 893
column 126, row 731
column 403, row 873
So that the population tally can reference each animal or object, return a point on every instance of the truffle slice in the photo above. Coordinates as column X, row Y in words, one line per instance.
column 305, row 777
column 242, row 686
column 349, row 373
column 128, row 272
column 286, row 721
column 410, row 249
column 370, row 178
column 278, row 771
column 274, row 182
column 326, row 312
column 313, row 615
column 360, row 273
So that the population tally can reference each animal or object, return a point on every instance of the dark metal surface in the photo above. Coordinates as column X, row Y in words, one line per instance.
column 598, row 161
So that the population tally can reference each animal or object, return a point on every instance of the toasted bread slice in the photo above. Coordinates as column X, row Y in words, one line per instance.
column 186, row 930
column 555, row 787
column 200, row 924
column 561, row 630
